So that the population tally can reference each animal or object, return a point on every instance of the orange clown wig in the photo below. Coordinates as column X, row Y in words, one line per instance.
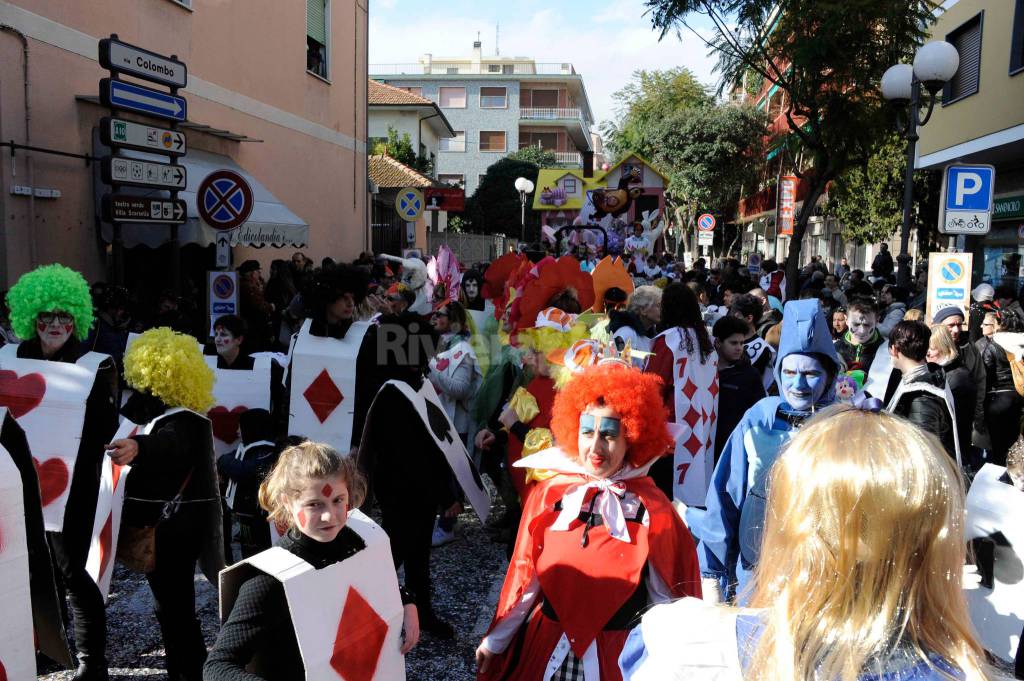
column 634, row 395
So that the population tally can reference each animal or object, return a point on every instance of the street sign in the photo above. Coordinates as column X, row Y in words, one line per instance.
column 409, row 204
column 117, row 94
column 135, row 61
column 116, row 132
column 131, row 171
column 949, row 282
column 224, row 199
column 450, row 199
column 754, row 263
column 787, row 204
column 126, row 208
column 706, row 222
column 967, row 202
column 223, row 250
column 705, row 238
column 222, row 295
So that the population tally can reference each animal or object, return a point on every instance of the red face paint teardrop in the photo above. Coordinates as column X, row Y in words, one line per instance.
column 303, row 519
column 327, row 491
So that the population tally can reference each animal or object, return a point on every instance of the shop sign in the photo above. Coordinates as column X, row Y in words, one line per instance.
column 1008, row 207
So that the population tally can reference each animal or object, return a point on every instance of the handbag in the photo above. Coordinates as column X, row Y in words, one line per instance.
column 1017, row 369
column 136, row 546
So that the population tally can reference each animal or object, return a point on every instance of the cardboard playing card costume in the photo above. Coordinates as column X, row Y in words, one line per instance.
column 49, row 400
column 360, row 594
column 428, row 407
column 236, row 391
column 994, row 511
column 323, row 386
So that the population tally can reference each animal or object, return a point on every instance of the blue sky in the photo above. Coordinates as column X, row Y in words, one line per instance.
column 606, row 40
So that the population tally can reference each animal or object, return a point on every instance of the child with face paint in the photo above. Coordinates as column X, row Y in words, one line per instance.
column 228, row 338
column 730, row 530
column 311, row 491
column 859, row 345
column 599, row 543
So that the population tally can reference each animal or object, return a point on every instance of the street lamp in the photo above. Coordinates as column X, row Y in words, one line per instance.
column 934, row 65
column 524, row 186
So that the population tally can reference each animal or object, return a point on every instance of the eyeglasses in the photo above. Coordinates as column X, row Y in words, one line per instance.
column 59, row 317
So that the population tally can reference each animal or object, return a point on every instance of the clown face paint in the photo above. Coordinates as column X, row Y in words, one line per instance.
column 320, row 508
column 54, row 329
column 471, row 289
column 602, row 444
column 225, row 341
column 804, row 381
column 862, row 326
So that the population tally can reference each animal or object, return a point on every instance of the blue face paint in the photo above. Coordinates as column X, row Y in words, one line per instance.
column 586, row 424
column 609, row 427
column 804, row 381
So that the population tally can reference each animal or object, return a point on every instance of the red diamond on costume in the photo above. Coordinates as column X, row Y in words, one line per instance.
column 692, row 417
column 323, row 396
column 360, row 638
column 689, row 389
column 693, row 445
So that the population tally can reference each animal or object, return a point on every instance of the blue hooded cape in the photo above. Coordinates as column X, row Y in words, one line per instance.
column 729, row 532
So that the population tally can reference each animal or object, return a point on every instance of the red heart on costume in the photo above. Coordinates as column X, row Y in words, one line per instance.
column 21, row 394
column 53, row 478
column 3, row 672
column 442, row 364
column 225, row 423
column 457, row 354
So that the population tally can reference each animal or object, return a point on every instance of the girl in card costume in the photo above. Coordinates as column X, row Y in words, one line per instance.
column 598, row 542
column 172, row 485
column 311, row 490
column 52, row 312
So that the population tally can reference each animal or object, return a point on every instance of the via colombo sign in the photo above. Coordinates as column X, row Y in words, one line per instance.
column 135, row 61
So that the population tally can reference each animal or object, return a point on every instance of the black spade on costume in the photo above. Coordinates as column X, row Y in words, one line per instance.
column 439, row 423
column 476, row 474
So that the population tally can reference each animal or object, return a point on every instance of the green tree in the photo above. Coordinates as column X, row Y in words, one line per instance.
column 537, row 156
column 647, row 99
column 494, row 207
column 868, row 198
column 399, row 147
column 827, row 59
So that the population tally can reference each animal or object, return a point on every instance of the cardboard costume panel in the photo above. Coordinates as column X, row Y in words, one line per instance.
column 235, row 392
column 17, row 649
column 359, row 594
column 429, row 408
column 46, row 617
column 323, row 386
column 994, row 512
column 48, row 399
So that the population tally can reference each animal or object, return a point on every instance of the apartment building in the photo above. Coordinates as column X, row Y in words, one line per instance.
column 497, row 105
column 981, row 120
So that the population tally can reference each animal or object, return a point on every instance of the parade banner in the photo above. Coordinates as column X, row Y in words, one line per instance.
column 994, row 511
column 48, row 399
column 17, row 647
column 235, row 392
column 323, row 380
column 347, row 616
column 441, row 429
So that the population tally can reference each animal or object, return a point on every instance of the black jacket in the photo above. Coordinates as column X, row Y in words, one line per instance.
column 739, row 387
column 976, row 367
column 965, row 398
column 858, row 356
column 926, row 409
column 998, row 375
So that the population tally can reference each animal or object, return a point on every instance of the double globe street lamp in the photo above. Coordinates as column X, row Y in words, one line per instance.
column 524, row 186
column 935, row 64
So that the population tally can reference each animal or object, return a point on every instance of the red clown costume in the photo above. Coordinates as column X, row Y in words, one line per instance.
column 593, row 551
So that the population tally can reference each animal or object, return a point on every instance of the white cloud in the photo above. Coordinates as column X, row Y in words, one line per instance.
column 605, row 46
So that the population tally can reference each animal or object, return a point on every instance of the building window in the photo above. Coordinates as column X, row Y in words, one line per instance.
column 544, row 99
column 494, row 68
column 492, row 140
column 1017, row 40
column 544, row 140
column 457, row 143
column 493, row 98
column 418, row 91
column 318, row 14
column 569, row 185
column 452, row 180
column 452, row 98
column 967, row 41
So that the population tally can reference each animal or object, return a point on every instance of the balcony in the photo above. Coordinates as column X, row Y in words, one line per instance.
column 530, row 114
column 569, row 158
column 458, row 68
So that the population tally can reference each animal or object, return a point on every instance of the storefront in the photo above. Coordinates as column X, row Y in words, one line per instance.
column 1002, row 248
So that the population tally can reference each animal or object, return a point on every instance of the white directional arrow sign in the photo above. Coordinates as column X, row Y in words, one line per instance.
column 117, row 132
column 121, row 95
column 124, row 208
column 144, row 173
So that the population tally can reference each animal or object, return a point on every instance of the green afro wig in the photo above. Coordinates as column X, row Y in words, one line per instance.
column 50, row 288
column 170, row 365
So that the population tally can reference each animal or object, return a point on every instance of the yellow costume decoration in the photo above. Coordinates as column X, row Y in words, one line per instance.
column 524, row 405
column 538, row 440
column 169, row 365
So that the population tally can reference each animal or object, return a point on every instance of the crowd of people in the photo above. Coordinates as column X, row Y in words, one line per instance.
column 700, row 472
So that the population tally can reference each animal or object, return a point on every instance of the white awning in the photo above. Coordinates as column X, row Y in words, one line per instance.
column 270, row 224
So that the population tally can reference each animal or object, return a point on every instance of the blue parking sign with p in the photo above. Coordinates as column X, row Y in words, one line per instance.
column 970, row 188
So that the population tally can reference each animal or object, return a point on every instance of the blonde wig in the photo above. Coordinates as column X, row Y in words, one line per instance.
column 863, row 551
column 301, row 463
column 942, row 344
column 170, row 365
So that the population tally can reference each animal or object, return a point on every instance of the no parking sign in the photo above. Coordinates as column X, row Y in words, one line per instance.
column 949, row 282
column 224, row 199
column 409, row 204
column 222, row 294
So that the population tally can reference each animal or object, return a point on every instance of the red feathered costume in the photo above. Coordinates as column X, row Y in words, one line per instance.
column 573, row 585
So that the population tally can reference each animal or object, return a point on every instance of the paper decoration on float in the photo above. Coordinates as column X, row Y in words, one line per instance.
column 323, row 386
column 995, row 595
column 234, row 393
column 347, row 617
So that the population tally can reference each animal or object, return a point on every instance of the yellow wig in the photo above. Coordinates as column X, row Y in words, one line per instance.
column 170, row 365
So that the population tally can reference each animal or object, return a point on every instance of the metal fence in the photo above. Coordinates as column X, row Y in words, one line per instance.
column 470, row 248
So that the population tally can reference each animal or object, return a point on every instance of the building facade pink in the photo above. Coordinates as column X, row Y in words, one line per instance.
column 276, row 88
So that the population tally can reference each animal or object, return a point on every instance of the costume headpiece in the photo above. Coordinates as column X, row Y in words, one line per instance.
column 169, row 365
column 444, row 275
column 610, row 273
column 50, row 288
column 553, row 279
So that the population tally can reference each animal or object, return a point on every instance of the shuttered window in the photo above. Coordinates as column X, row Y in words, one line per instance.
column 316, row 20
column 1017, row 40
column 967, row 41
